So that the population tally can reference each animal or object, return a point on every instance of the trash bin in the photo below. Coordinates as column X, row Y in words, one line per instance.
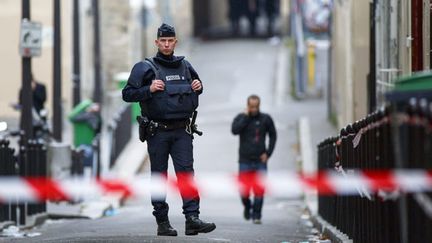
column 82, row 132
column 417, row 85
column 415, row 82
column 121, row 79
column 407, row 97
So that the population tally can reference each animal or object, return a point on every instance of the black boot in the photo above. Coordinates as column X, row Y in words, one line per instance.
column 165, row 229
column 256, row 210
column 247, row 207
column 194, row 225
column 247, row 213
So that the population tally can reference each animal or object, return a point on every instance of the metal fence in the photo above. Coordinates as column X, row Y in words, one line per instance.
column 77, row 168
column 399, row 136
column 31, row 161
column 96, row 146
column 35, row 166
column 8, row 167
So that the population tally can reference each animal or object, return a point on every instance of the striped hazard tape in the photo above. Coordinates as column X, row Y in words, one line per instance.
column 285, row 184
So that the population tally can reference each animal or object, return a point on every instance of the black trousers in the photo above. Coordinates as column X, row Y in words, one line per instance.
column 178, row 144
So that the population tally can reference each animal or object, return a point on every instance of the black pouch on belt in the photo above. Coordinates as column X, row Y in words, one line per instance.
column 143, row 124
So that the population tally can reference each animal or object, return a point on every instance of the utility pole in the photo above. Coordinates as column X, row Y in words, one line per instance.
column 97, row 91
column 372, row 59
column 76, row 77
column 26, row 94
column 57, row 94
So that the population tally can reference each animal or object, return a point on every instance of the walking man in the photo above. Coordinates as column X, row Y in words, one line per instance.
column 253, row 128
column 167, row 88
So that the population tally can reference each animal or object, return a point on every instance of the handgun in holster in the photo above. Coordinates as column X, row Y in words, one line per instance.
column 147, row 128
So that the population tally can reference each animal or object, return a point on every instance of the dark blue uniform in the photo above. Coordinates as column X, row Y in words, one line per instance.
column 174, row 105
column 272, row 11
column 237, row 9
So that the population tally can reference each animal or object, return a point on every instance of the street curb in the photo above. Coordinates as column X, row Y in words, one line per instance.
column 311, row 199
column 35, row 220
column 40, row 219
column 329, row 230
column 5, row 224
column 55, row 216
column 281, row 86
column 307, row 163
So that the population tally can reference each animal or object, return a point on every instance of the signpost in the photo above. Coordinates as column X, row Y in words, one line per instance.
column 30, row 38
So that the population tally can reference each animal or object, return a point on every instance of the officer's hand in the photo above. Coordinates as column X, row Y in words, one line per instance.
column 196, row 85
column 264, row 157
column 157, row 85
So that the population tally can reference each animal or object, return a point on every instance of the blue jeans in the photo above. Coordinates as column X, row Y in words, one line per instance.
column 258, row 199
column 88, row 154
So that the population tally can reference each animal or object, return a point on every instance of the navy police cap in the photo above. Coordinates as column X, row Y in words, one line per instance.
column 166, row 31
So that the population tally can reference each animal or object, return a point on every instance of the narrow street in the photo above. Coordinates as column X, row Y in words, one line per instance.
column 230, row 70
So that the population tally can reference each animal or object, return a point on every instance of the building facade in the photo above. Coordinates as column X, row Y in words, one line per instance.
column 127, row 31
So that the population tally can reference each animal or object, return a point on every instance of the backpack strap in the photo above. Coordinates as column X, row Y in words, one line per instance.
column 154, row 67
column 187, row 71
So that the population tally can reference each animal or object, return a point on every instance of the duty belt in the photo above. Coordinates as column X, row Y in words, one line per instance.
column 172, row 125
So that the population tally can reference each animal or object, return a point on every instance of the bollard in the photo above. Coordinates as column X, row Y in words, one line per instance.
column 77, row 168
column 41, row 170
column 32, row 162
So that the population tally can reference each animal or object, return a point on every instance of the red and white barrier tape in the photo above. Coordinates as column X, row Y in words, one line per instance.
column 285, row 184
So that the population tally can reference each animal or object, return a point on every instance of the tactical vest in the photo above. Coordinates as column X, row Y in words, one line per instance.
column 178, row 100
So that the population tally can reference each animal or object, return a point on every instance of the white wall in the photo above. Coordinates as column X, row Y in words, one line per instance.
column 10, row 61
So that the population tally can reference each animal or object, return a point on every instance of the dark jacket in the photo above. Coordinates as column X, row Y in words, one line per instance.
column 39, row 97
column 253, row 132
column 137, row 88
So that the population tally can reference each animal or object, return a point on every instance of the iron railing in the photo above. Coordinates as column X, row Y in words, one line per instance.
column 31, row 161
column 397, row 137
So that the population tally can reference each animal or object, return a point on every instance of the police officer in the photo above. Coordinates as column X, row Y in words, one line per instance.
column 272, row 11
column 252, row 14
column 253, row 128
column 167, row 88
column 237, row 8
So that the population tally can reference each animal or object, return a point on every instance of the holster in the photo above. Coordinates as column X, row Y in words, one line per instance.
column 147, row 128
column 143, row 123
